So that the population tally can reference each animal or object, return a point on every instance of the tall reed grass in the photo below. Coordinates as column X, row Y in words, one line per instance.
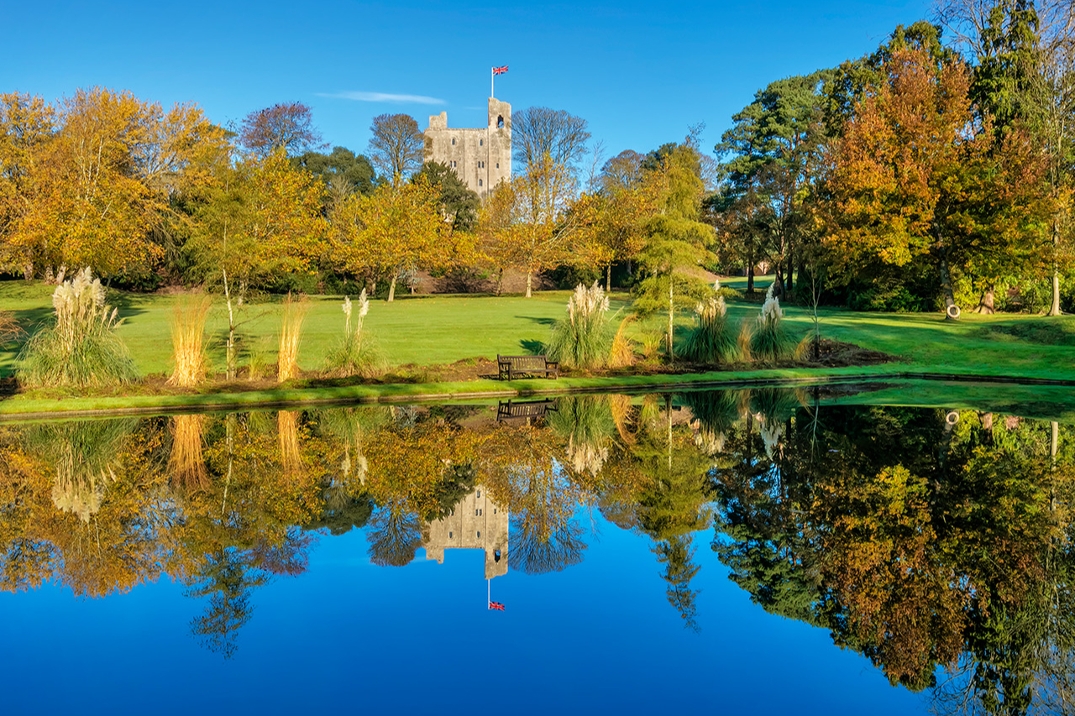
column 356, row 353
column 770, row 339
column 81, row 349
column 287, row 360
column 622, row 353
column 582, row 340
column 710, row 340
column 188, row 341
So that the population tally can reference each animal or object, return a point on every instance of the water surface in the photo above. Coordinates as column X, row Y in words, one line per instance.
column 763, row 551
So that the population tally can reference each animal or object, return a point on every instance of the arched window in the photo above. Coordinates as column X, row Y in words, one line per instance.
column 453, row 140
column 479, row 182
column 500, row 122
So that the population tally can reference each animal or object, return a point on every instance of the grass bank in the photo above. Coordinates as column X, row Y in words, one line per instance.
column 436, row 330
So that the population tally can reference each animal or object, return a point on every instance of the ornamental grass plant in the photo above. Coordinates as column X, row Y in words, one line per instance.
column 710, row 340
column 188, row 341
column 81, row 349
column 581, row 340
column 287, row 359
column 770, row 340
column 356, row 353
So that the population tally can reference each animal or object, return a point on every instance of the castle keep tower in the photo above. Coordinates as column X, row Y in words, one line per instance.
column 480, row 157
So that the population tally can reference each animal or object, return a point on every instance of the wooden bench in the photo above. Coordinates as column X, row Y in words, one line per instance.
column 512, row 367
column 534, row 410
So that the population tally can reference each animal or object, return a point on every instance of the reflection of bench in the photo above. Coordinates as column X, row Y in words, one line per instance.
column 512, row 367
column 524, row 411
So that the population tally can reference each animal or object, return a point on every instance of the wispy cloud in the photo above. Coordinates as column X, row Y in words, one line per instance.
column 383, row 97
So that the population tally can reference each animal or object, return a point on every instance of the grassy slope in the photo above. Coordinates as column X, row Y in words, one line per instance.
column 434, row 330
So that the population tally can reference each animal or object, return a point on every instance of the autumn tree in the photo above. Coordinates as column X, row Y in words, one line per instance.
column 393, row 230
column 342, row 171
column 610, row 220
column 288, row 126
column 459, row 204
column 397, row 146
column 919, row 177
column 525, row 224
column 259, row 218
column 26, row 124
column 1024, row 74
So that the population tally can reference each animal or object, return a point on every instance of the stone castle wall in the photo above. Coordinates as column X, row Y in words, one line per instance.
column 480, row 157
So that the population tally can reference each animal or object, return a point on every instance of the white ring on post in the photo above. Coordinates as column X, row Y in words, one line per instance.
column 952, row 418
column 953, row 312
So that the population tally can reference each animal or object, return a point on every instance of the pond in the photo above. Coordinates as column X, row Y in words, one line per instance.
column 763, row 551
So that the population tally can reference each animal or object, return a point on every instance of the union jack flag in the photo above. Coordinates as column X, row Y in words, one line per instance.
column 500, row 70
column 497, row 606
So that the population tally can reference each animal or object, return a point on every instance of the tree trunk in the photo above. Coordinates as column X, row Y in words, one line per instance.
column 671, row 318
column 987, row 302
column 392, row 289
column 946, row 286
column 499, row 282
column 529, row 283
column 229, row 362
column 1054, row 309
column 608, row 278
column 750, row 277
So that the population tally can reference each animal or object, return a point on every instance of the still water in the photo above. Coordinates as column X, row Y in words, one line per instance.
column 764, row 551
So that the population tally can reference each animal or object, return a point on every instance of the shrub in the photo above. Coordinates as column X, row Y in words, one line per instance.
column 769, row 339
column 81, row 349
column 582, row 340
column 188, row 341
column 355, row 354
column 711, row 339
column 9, row 328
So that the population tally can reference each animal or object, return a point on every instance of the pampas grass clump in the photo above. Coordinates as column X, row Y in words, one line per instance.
column 287, row 360
column 82, row 348
column 770, row 340
column 186, row 463
column 356, row 353
column 188, row 342
column 581, row 341
column 710, row 340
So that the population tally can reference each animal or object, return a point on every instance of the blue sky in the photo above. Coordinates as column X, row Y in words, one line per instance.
column 640, row 72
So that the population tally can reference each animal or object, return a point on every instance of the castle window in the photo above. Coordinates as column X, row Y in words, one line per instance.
column 500, row 122
column 481, row 142
column 498, row 165
column 453, row 140
column 453, row 164
column 449, row 535
column 479, row 535
column 479, row 182
column 479, row 493
column 477, row 512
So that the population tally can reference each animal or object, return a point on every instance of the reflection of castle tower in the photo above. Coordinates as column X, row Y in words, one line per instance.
column 480, row 157
column 476, row 522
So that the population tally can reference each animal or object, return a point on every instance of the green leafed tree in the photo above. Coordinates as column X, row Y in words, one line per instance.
column 677, row 241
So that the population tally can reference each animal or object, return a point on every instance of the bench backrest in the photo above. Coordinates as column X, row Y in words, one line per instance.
column 523, row 362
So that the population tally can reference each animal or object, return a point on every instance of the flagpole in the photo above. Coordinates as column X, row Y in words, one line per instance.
column 489, row 594
column 492, row 78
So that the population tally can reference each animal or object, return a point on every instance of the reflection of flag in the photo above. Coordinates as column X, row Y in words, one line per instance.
column 500, row 70
column 497, row 606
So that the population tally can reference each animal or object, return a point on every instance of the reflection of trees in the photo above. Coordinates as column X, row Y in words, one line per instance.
column 394, row 535
column 675, row 503
column 228, row 581
column 917, row 541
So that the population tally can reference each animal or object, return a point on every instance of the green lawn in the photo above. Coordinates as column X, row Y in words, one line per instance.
column 444, row 329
